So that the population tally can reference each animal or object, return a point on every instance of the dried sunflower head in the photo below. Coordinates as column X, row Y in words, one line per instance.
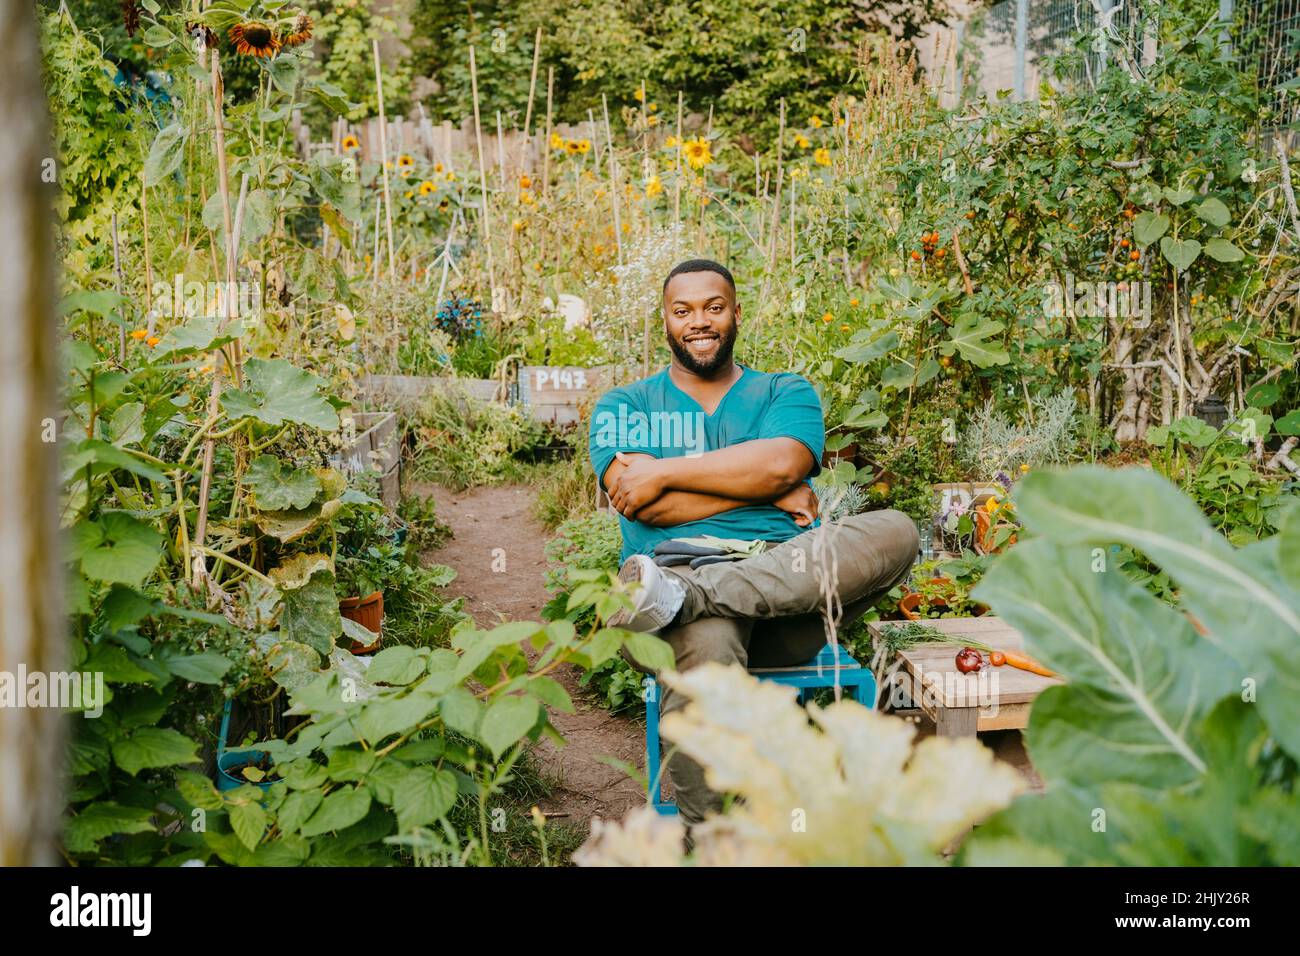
column 300, row 32
column 254, row 38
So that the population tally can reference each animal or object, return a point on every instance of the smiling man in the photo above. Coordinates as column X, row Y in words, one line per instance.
column 709, row 465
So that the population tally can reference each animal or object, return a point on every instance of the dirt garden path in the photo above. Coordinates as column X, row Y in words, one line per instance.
column 483, row 519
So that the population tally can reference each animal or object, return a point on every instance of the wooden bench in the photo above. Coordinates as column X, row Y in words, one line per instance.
column 997, row 698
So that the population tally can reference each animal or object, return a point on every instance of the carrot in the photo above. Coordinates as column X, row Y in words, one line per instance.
column 1022, row 661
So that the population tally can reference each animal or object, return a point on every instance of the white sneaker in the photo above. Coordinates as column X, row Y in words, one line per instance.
column 656, row 602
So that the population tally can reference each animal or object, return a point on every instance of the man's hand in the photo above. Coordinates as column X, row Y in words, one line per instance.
column 801, row 503
column 639, row 484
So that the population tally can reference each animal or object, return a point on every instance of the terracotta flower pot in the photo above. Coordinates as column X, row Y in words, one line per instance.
column 367, row 611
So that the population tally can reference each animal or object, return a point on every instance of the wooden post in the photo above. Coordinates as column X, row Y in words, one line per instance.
column 546, row 140
column 485, row 226
column 532, row 82
column 117, row 279
column 383, row 164
column 613, row 175
column 148, row 262
column 677, row 189
column 33, row 627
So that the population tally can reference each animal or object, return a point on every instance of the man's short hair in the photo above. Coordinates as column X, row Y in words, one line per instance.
column 700, row 265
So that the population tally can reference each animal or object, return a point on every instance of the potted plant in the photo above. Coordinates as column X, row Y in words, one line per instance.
column 370, row 554
column 942, row 589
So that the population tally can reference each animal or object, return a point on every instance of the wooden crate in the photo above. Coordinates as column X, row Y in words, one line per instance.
column 376, row 446
column 554, row 393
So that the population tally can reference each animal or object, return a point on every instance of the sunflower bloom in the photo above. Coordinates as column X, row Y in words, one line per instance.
column 654, row 187
column 300, row 33
column 672, row 143
column 571, row 147
column 638, row 94
column 254, row 38
column 405, row 162
column 139, row 334
column 350, row 142
column 801, row 141
column 822, row 157
column 698, row 152
column 557, row 141
column 584, row 145
column 816, row 122
column 427, row 187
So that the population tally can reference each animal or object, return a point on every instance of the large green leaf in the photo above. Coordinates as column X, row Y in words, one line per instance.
column 207, row 667
column 101, row 457
column 1221, row 250
column 287, row 526
column 1148, row 227
column 311, row 613
column 970, row 336
column 101, row 819
column 507, row 719
column 116, row 548
column 1214, row 212
column 1242, row 599
column 1180, row 253
column 165, row 154
column 339, row 810
column 423, row 795
column 151, row 747
column 277, row 392
column 389, row 715
column 248, row 820
column 277, row 488
column 200, row 334
column 860, row 353
column 1139, row 677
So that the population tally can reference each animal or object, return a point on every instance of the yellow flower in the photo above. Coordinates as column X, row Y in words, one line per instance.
column 518, row 225
column 698, row 152
column 652, row 107
column 844, row 328
column 1024, row 468
column 801, row 141
column 351, row 142
column 638, row 94
column 525, row 182
column 652, row 121
column 671, row 142
column 152, row 340
column 654, row 187
column 822, row 157
column 449, row 176
column 827, row 318
column 405, row 162
column 816, row 122
column 571, row 146
column 139, row 334
column 526, row 197
column 428, row 187
column 798, row 173
column 584, row 145
column 410, row 194
column 853, row 302
column 705, row 199
column 557, row 141
column 437, row 167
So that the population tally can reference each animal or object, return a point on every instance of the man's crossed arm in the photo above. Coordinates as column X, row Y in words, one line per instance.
column 669, row 491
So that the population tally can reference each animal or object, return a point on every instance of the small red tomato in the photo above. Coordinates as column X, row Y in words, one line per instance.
column 969, row 660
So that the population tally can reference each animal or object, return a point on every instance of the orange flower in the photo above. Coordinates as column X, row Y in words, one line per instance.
column 152, row 340
column 301, row 31
column 254, row 38
column 827, row 317
column 139, row 334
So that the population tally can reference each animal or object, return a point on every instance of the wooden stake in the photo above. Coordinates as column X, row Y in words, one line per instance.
column 482, row 180
column 532, row 83
column 148, row 262
column 677, row 190
column 501, row 155
column 546, row 141
column 613, row 175
column 117, row 273
column 383, row 161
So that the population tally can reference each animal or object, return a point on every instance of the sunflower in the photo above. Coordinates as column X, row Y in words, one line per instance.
column 139, row 334
column 254, row 38
column 351, row 142
column 525, row 182
column 405, row 163
column 571, row 146
column 653, row 188
column 300, row 32
column 428, row 187
column 698, row 152
column 801, row 141
column 672, row 143
column 437, row 167
column 584, row 145
column 816, row 122
column 822, row 156
column 557, row 141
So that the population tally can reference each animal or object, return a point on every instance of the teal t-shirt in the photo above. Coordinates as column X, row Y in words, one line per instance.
column 655, row 417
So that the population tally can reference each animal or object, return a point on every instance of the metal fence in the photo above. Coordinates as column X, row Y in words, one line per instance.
column 1009, row 45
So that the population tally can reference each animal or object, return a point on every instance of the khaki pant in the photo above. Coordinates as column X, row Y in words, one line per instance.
column 765, row 611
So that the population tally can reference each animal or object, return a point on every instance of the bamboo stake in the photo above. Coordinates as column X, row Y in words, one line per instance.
column 613, row 175
column 482, row 180
column 532, row 83
column 117, row 273
column 501, row 155
column 383, row 161
column 677, row 189
column 148, row 261
column 546, row 140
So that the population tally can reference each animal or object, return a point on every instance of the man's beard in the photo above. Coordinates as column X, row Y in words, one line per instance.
column 705, row 367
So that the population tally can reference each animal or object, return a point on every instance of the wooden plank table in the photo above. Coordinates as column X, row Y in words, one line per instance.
column 997, row 698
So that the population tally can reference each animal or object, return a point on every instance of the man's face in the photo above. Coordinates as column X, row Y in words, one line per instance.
column 700, row 316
